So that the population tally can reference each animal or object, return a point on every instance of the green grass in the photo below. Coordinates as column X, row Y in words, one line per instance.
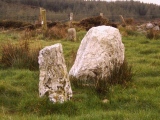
column 140, row 100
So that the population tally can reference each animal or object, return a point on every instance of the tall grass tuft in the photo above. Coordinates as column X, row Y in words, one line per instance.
column 28, row 34
column 19, row 56
column 33, row 59
column 121, row 75
column 13, row 53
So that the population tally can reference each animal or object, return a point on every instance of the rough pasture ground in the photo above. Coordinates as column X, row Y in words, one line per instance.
column 139, row 101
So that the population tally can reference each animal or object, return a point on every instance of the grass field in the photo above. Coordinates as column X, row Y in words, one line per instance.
column 140, row 100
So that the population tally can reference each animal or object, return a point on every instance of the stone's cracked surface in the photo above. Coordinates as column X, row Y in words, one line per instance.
column 100, row 50
column 54, row 78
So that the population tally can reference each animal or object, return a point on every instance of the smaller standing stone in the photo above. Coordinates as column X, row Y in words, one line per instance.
column 156, row 28
column 149, row 25
column 54, row 78
column 72, row 34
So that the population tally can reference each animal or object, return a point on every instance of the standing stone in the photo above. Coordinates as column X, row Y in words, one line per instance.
column 54, row 78
column 149, row 25
column 156, row 28
column 100, row 50
column 72, row 34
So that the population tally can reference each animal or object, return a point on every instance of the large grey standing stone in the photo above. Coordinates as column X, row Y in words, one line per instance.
column 54, row 78
column 100, row 50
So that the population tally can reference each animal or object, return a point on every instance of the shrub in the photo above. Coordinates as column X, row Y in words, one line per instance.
column 92, row 22
column 56, row 32
column 15, row 24
column 130, row 30
column 28, row 34
column 152, row 34
column 19, row 55
column 129, row 21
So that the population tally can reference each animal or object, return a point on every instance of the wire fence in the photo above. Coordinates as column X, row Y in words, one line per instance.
column 28, row 13
column 65, row 17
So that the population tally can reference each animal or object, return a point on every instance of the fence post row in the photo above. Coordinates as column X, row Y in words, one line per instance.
column 43, row 18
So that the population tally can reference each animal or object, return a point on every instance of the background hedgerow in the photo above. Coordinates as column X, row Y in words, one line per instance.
column 15, row 24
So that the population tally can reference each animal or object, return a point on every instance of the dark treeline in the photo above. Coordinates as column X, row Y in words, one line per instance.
column 82, row 9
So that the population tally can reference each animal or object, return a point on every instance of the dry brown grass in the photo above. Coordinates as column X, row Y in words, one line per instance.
column 152, row 34
column 129, row 21
column 56, row 32
column 19, row 55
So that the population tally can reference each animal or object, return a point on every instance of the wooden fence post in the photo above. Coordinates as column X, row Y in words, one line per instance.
column 40, row 16
column 43, row 18
column 122, row 19
column 71, row 20
column 101, row 14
